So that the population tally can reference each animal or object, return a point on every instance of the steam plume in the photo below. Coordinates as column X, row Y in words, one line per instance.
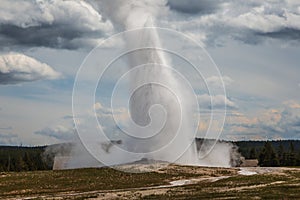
column 158, row 95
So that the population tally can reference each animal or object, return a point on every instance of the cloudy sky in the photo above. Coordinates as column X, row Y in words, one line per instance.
column 254, row 43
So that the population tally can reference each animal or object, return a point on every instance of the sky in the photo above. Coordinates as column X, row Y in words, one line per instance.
column 255, row 45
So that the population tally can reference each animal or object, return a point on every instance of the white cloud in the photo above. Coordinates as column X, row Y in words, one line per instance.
column 108, row 117
column 131, row 13
column 251, row 21
column 217, row 81
column 267, row 124
column 76, row 24
column 194, row 6
column 215, row 102
column 9, row 139
column 55, row 23
column 292, row 104
column 59, row 132
column 17, row 68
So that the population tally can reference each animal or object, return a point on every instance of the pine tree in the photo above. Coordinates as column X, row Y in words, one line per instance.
column 19, row 164
column 298, row 159
column 28, row 161
column 280, row 154
column 268, row 156
column 252, row 154
column 291, row 155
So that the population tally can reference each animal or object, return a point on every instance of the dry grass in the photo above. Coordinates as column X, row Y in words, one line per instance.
column 106, row 183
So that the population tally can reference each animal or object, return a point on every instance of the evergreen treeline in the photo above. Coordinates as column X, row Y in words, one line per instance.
column 269, row 153
column 24, row 159
column 272, row 153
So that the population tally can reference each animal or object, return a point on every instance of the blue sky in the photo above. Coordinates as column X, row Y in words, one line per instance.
column 255, row 45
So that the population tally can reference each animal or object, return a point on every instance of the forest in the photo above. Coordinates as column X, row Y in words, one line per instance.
column 17, row 158
column 271, row 153
column 268, row 153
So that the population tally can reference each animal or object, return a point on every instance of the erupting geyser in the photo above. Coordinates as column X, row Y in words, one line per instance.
column 162, row 119
column 157, row 104
column 160, row 104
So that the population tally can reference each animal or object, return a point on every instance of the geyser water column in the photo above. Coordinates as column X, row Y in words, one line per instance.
column 161, row 127
column 159, row 71
column 190, row 63
column 156, row 126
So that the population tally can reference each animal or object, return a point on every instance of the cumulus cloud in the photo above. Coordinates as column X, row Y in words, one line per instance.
column 102, row 110
column 76, row 24
column 17, row 68
column 59, row 132
column 215, row 102
column 9, row 139
column 195, row 6
column 270, row 123
column 6, row 128
column 250, row 22
column 216, row 81
column 292, row 104
column 50, row 23
column 111, row 120
column 131, row 13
